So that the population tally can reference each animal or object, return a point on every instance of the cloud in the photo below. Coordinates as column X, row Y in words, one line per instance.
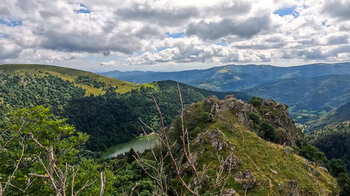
column 8, row 50
column 167, row 16
column 109, row 63
column 164, row 32
column 216, row 30
column 338, row 8
column 342, row 39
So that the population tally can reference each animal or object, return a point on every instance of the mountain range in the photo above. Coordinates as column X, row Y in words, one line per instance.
column 233, row 77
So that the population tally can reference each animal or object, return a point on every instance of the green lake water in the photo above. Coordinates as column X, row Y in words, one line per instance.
column 139, row 144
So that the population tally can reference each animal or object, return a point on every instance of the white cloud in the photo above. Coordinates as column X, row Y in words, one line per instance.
column 134, row 31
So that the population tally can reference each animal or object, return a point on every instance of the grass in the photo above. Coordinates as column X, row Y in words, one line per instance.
column 261, row 157
column 71, row 75
column 139, row 144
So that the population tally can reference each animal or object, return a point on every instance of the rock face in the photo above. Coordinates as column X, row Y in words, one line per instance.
column 274, row 113
column 277, row 115
column 293, row 188
column 213, row 137
column 238, row 107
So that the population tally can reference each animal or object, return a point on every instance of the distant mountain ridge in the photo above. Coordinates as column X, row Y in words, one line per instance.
column 308, row 98
column 234, row 77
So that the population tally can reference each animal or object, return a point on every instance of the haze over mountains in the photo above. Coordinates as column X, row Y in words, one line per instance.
column 234, row 77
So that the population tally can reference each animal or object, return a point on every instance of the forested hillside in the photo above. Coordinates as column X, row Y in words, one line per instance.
column 334, row 141
column 109, row 112
column 308, row 98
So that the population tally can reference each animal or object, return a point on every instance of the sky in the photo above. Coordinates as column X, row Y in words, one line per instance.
column 161, row 35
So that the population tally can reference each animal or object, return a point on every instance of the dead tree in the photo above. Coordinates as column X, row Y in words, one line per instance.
column 221, row 179
column 57, row 176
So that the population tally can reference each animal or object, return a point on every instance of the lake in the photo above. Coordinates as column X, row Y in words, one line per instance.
column 139, row 144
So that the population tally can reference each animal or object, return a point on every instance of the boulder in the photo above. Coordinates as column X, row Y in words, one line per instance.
column 229, row 192
column 248, row 180
column 293, row 188
column 323, row 169
column 232, row 162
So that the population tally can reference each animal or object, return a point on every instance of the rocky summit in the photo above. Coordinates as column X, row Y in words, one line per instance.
column 226, row 135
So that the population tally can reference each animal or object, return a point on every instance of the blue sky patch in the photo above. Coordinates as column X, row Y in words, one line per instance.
column 287, row 11
column 83, row 9
column 222, row 43
column 175, row 35
column 161, row 48
column 10, row 23
column 324, row 23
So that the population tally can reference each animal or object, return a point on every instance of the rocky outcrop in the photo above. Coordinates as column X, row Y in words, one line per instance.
column 270, row 111
column 238, row 107
column 293, row 188
column 233, row 162
column 277, row 115
column 213, row 137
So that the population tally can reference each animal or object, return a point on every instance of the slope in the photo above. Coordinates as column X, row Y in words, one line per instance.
column 72, row 76
column 333, row 140
column 340, row 114
column 222, row 130
column 105, row 108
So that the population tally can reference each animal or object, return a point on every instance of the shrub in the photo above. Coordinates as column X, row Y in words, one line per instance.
column 267, row 132
column 256, row 101
column 255, row 118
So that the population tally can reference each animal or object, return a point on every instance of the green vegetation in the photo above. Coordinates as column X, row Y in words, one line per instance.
column 334, row 141
column 105, row 108
column 256, row 101
column 267, row 132
column 100, row 112
column 234, row 77
column 39, row 152
column 308, row 98
column 313, row 154
column 270, row 164
column 72, row 75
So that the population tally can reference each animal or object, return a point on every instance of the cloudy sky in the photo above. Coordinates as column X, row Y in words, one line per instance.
column 173, row 35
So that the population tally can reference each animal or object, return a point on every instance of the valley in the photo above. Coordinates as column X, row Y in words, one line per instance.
column 248, row 128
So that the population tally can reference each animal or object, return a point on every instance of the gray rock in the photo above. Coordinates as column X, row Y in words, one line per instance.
column 229, row 192
column 233, row 162
column 288, row 150
column 273, row 171
column 214, row 137
column 248, row 180
column 313, row 171
column 238, row 177
column 293, row 188
column 323, row 168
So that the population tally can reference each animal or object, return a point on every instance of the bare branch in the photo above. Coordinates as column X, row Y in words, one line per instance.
column 133, row 189
column 15, row 170
column 83, row 187
column 103, row 183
